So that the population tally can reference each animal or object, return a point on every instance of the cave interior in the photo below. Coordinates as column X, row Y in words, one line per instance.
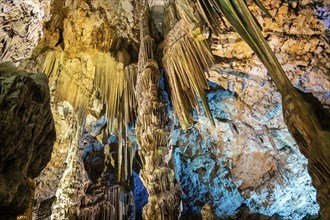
column 164, row 109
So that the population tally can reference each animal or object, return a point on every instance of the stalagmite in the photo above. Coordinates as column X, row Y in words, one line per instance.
column 109, row 195
column 106, row 201
column 151, row 133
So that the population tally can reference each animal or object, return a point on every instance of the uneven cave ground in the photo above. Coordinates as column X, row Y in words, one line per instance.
column 245, row 166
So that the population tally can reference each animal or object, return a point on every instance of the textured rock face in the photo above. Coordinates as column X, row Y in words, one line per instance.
column 21, row 28
column 70, row 187
column 50, row 178
column 140, row 196
column 299, row 42
column 299, row 56
column 93, row 158
column 27, row 136
column 249, row 157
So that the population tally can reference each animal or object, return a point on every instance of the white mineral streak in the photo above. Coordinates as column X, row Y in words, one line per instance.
column 69, row 191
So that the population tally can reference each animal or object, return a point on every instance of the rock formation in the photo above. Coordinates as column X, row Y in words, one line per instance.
column 151, row 133
column 249, row 157
column 21, row 28
column 306, row 119
column 106, row 197
column 113, row 82
column 304, row 115
column 27, row 136
column 49, row 183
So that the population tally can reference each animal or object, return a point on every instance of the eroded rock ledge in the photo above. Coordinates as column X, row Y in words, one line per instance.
column 27, row 136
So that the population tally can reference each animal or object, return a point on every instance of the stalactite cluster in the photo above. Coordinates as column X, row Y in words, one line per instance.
column 185, row 61
column 109, row 195
column 104, row 201
column 115, row 83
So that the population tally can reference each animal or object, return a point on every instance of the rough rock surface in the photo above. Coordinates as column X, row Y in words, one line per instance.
column 27, row 136
column 299, row 40
column 249, row 157
column 70, row 188
column 140, row 196
column 49, row 180
column 94, row 159
column 21, row 28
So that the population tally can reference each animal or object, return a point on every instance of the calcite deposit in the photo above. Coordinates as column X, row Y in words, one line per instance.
column 170, row 90
column 151, row 130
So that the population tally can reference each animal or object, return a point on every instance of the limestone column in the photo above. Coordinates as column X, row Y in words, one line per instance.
column 152, row 136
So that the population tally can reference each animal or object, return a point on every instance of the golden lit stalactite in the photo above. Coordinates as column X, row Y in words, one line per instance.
column 152, row 135
column 114, row 81
column 74, row 54
column 307, row 121
column 186, row 57
column 116, row 85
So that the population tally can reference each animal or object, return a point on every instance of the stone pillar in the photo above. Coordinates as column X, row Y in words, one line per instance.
column 152, row 136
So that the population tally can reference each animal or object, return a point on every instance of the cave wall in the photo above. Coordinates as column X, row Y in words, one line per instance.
column 254, row 162
column 298, row 37
column 27, row 136
column 21, row 28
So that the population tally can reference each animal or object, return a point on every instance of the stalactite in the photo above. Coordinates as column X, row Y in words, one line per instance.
column 67, row 89
column 74, row 54
column 116, row 85
column 107, row 202
column 109, row 195
column 151, row 134
column 185, row 61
